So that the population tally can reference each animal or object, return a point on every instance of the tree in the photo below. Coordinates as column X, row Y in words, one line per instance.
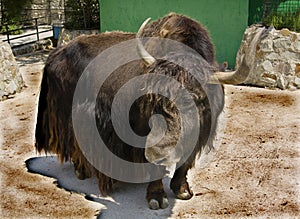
column 82, row 14
column 11, row 10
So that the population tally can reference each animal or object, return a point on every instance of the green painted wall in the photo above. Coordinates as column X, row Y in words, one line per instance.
column 226, row 20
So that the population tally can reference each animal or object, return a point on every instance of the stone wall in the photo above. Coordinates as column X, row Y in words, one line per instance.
column 277, row 58
column 11, row 80
column 52, row 10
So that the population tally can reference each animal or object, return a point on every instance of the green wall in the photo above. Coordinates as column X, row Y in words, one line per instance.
column 226, row 20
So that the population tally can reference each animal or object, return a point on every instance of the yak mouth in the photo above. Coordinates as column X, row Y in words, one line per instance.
column 238, row 76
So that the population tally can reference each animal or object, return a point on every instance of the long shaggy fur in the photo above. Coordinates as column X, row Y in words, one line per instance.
column 54, row 131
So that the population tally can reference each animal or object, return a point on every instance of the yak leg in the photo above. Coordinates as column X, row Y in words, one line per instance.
column 156, row 196
column 83, row 169
column 179, row 184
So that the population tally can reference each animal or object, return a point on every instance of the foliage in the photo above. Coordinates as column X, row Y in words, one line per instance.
column 284, row 20
column 82, row 14
column 12, row 9
column 12, row 28
column 11, row 14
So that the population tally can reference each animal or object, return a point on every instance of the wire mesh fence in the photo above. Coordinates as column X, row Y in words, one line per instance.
column 282, row 14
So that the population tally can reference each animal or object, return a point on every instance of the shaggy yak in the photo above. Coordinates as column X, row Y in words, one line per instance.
column 65, row 65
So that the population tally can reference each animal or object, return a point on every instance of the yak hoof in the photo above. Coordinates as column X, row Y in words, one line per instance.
column 79, row 175
column 155, row 205
column 182, row 191
column 185, row 195
column 156, row 196
column 165, row 203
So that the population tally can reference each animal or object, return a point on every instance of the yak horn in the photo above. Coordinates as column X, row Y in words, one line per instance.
column 243, row 71
column 145, row 56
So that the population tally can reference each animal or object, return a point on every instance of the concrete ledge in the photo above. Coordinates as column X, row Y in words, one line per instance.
column 32, row 47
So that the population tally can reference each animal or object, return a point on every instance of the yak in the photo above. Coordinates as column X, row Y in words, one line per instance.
column 65, row 65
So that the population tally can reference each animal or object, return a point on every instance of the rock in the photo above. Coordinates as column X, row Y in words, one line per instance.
column 266, row 45
column 12, row 87
column 277, row 58
column 67, row 35
column 11, row 80
column 281, row 44
column 267, row 66
column 297, row 70
column 297, row 46
column 285, row 32
column 297, row 82
column 283, row 67
column 271, row 56
column 281, row 82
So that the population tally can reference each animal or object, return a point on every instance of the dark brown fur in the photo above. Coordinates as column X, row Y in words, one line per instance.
column 186, row 30
column 54, row 131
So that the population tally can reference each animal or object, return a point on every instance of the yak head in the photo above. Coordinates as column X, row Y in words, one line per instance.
column 206, row 89
column 181, row 29
column 191, row 33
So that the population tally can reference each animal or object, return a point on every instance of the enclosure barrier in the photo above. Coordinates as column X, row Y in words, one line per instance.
column 34, row 31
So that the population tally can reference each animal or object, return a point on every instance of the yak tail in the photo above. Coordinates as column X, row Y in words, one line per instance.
column 42, row 126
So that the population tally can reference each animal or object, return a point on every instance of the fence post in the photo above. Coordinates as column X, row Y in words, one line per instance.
column 37, row 29
column 7, row 33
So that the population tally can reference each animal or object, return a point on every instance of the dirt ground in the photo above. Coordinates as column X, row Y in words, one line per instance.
column 255, row 173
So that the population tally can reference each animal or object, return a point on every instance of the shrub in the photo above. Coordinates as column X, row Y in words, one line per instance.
column 83, row 14
column 12, row 28
column 284, row 20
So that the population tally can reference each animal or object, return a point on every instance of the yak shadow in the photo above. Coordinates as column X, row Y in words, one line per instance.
column 126, row 201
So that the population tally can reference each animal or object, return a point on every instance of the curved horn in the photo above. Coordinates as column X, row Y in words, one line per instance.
column 147, row 58
column 242, row 73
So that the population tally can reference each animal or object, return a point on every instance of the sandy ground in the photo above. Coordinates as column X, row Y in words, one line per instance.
column 255, row 173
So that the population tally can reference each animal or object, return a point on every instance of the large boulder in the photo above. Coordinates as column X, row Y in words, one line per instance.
column 277, row 58
column 11, row 80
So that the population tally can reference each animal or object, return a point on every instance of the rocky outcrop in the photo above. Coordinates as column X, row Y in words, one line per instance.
column 11, row 80
column 277, row 58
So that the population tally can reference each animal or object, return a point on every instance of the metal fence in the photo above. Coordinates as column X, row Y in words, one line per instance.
column 280, row 6
column 30, row 33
